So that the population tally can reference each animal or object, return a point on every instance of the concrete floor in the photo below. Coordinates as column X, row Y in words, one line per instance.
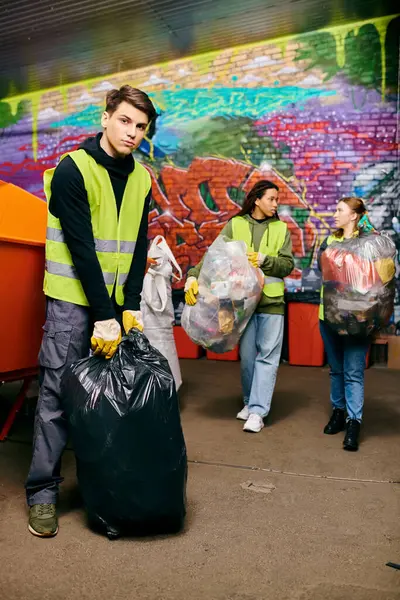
column 284, row 514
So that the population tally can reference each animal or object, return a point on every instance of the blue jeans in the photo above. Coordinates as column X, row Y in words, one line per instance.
column 346, row 357
column 260, row 352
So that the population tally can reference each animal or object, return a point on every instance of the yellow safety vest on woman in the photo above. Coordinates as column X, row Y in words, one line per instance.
column 115, row 237
column 271, row 242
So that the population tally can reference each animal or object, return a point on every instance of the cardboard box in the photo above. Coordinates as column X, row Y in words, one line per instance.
column 394, row 352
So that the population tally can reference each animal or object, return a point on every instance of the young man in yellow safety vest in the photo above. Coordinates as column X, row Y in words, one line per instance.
column 96, row 249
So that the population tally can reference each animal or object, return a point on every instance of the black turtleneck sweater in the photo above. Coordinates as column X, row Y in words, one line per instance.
column 69, row 203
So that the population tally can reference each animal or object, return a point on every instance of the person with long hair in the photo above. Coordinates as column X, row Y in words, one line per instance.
column 346, row 354
column 269, row 248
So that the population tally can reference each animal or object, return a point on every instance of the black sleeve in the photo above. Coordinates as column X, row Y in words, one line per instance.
column 134, row 283
column 322, row 249
column 69, row 204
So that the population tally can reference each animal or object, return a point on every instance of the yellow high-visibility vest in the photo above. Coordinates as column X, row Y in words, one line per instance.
column 275, row 235
column 115, row 237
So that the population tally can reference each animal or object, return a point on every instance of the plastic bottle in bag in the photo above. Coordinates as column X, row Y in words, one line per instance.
column 229, row 292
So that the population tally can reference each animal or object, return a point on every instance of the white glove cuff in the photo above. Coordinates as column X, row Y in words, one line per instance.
column 260, row 258
column 189, row 282
column 108, row 330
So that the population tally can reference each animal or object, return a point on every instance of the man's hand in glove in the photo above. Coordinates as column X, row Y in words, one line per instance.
column 256, row 258
column 106, row 337
column 132, row 319
column 191, row 291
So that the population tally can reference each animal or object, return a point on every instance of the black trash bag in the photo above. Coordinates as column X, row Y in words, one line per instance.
column 308, row 297
column 126, row 431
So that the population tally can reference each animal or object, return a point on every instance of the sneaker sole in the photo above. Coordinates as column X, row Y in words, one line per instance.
column 241, row 418
column 37, row 534
column 253, row 430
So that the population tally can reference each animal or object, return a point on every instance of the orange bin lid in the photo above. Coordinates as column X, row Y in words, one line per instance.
column 23, row 216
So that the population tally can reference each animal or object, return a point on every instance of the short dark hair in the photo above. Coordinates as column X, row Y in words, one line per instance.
column 256, row 193
column 133, row 96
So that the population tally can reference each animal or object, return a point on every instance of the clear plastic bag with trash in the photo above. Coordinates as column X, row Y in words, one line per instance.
column 229, row 290
column 358, row 277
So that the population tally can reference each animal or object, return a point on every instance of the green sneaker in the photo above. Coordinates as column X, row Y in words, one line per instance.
column 43, row 520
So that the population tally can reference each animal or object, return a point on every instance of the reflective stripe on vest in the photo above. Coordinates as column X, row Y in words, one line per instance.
column 56, row 235
column 271, row 242
column 55, row 268
column 114, row 237
column 268, row 280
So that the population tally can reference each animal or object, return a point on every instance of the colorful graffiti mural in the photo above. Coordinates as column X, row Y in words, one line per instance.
column 316, row 113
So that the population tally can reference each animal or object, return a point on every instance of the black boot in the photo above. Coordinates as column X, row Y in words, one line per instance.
column 336, row 422
column 350, row 441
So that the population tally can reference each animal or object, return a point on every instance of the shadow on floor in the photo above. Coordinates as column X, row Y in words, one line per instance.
column 285, row 404
column 380, row 420
column 219, row 407
column 226, row 406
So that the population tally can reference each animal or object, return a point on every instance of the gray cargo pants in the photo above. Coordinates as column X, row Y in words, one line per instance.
column 66, row 339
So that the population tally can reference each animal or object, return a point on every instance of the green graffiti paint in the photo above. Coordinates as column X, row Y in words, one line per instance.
column 340, row 33
column 201, row 64
column 381, row 27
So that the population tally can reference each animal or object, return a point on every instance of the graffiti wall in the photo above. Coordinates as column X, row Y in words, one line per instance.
column 316, row 113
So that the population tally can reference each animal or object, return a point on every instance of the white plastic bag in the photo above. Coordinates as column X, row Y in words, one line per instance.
column 156, row 306
column 229, row 291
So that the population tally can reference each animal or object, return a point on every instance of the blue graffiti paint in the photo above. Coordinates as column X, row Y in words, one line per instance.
column 166, row 140
column 145, row 148
column 85, row 119
column 188, row 104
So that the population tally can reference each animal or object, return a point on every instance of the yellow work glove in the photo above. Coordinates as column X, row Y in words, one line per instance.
column 256, row 259
column 191, row 291
column 106, row 337
column 132, row 319
column 386, row 269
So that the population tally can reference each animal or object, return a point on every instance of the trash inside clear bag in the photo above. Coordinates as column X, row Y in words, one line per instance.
column 230, row 289
column 358, row 277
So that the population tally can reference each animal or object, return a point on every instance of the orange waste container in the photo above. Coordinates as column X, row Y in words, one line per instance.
column 23, row 220
column 306, row 347
column 368, row 359
column 232, row 355
column 184, row 345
